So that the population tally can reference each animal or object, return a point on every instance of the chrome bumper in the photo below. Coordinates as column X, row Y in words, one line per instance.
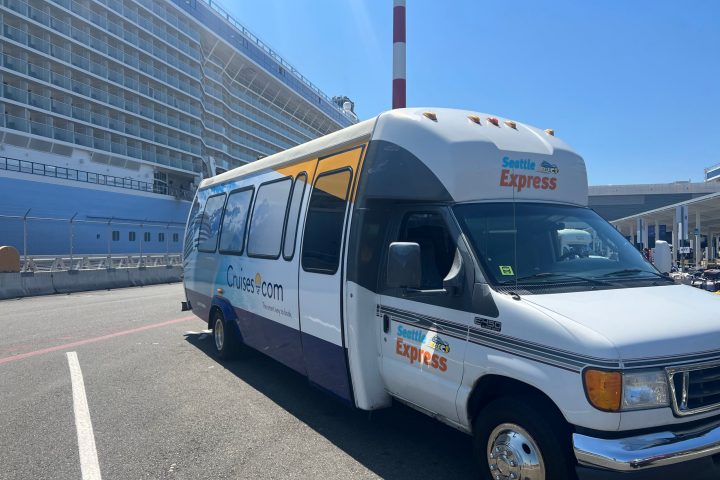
column 649, row 450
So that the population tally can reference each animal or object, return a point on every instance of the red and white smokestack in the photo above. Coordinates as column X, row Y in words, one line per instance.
column 398, row 88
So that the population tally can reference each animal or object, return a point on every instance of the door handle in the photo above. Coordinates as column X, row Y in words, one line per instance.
column 386, row 323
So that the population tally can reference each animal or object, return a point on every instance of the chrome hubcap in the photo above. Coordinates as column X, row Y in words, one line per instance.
column 513, row 454
column 219, row 334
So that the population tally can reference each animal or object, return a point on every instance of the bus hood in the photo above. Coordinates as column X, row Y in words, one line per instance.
column 657, row 323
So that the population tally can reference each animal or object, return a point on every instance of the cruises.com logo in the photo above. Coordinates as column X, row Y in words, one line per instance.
column 254, row 285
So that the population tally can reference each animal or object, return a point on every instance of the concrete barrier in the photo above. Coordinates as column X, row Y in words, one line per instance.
column 15, row 285
column 154, row 275
column 11, row 286
column 37, row 283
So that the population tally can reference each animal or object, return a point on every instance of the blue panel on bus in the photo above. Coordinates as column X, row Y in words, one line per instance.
column 327, row 367
column 272, row 338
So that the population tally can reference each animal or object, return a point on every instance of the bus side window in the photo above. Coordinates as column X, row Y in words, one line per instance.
column 324, row 224
column 210, row 223
column 192, row 228
column 293, row 216
column 266, row 223
column 232, row 238
column 437, row 248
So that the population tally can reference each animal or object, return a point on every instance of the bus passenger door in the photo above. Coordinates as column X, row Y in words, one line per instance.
column 321, row 273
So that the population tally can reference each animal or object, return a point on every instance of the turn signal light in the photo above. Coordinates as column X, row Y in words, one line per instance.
column 431, row 116
column 474, row 119
column 603, row 389
column 550, row 132
column 494, row 121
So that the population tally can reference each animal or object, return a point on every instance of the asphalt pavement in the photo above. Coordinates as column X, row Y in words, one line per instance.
column 163, row 407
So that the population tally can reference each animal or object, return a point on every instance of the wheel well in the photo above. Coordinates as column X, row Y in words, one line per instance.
column 214, row 310
column 490, row 387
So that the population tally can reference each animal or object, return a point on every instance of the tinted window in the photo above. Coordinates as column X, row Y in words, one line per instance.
column 324, row 224
column 293, row 216
column 232, row 238
column 551, row 246
column 192, row 227
column 266, row 224
column 210, row 223
column 437, row 248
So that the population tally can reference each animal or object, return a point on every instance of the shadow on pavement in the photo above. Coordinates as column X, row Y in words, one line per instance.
column 395, row 443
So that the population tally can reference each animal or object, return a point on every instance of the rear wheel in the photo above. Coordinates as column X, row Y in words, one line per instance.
column 522, row 440
column 224, row 337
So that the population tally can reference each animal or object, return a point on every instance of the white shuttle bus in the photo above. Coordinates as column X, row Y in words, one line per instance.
column 418, row 256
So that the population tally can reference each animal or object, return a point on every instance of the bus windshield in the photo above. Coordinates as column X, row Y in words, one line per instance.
column 545, row 245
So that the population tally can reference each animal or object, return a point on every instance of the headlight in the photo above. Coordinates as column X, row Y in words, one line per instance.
column 616, row 391
column 645, row 390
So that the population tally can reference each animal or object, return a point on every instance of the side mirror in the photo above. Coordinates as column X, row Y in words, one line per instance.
column 403, row 268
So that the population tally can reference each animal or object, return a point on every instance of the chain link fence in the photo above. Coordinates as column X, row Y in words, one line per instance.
column 40, row 238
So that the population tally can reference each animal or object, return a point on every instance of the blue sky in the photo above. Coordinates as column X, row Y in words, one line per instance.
column 634, row 86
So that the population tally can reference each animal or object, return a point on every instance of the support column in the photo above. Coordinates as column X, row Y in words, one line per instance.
column 698, row 240
column 675, row 243
column 657, row 231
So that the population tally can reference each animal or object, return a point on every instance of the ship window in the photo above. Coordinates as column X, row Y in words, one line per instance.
column 232, row 238
column 266, row 224
column 116, row 236
column 146, row 237
column 131, row 236
column 210, row 223
column 161, row 237
column 324, row 224
column 176, row 237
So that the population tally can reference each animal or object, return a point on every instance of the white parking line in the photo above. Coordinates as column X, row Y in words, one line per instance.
column 89, row 465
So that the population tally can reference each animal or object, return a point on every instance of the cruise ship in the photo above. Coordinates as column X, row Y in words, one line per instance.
column 114, row 110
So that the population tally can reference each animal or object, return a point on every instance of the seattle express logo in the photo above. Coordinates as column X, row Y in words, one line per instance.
column 254, row 285
column 521, row 181
column 426, row 353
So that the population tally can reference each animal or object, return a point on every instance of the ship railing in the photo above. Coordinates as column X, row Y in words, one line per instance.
column 45, row 170
column 51, row 263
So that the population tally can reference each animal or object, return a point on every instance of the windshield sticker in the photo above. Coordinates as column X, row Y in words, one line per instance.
column 506, row 270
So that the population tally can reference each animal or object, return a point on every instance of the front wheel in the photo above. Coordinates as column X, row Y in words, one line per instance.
column 522, row 440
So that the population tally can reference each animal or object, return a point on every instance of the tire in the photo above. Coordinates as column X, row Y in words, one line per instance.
column 525, row 437
column 225, row 339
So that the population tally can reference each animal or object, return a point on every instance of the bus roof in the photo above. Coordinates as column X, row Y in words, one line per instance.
column 447, row 155
column 314, row 148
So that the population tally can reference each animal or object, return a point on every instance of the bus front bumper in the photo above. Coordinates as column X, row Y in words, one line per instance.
column 694, row 452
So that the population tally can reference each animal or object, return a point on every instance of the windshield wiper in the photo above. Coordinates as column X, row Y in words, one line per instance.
column 553, row 274
column 632, row 270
